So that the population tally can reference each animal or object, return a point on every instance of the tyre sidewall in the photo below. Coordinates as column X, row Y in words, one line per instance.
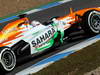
column 89, row 18
column 3, row 66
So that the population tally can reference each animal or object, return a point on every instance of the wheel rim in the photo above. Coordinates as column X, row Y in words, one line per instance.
column 95, row 23
column 8, row 60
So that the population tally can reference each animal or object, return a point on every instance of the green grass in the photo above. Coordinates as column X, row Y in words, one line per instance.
column 20, row 12
column 77, row 63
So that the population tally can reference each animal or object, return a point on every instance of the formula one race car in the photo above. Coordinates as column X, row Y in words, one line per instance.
column 19, row 38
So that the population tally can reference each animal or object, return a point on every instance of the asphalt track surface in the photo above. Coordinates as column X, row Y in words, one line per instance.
column 45, row 15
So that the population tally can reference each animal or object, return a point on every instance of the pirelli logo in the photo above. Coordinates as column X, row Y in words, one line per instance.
column 45, row 36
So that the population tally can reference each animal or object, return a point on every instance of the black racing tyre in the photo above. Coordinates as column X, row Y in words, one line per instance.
column 91, row 22
column 7, row 60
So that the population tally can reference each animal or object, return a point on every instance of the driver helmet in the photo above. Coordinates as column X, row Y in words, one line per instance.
column 55, row 20
column 35, row 23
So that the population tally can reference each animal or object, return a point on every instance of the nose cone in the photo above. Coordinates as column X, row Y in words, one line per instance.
column 2, row 37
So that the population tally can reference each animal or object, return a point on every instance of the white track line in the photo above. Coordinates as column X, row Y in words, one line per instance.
column 64, row 1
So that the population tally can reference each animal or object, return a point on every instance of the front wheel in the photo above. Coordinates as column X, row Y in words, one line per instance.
column 7, row 59
column 91, row 22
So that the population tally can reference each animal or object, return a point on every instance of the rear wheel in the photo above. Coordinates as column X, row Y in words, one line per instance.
column 91, row 22
column 7, row 59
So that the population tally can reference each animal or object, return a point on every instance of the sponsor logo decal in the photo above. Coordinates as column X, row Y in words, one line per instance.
column 43, row 37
